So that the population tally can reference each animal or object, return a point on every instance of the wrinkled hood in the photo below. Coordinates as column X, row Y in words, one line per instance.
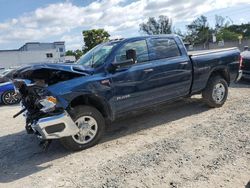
column 74, row 68
column 50, row 73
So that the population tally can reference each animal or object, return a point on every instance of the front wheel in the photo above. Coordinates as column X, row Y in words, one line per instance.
column 91, row 126
column 216, row 91
column 10, row 97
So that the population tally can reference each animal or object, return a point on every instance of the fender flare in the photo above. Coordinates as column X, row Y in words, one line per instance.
column 221, row 70
column 94, row 100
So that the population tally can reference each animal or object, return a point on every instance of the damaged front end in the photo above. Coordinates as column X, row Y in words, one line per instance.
column 45, row 114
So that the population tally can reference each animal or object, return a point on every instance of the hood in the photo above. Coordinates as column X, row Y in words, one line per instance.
column 3, row 79
column 50, row 73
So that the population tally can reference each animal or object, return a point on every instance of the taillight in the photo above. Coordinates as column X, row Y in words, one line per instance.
column 241, row 62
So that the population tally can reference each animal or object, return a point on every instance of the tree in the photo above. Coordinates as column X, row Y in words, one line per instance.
column 153, row 27
column 179, row 33
column 76, row 53
column 198, row 32
column 225, row 34
column 70, row 53
column 94, row 37
column 221, row 22
column 243, row 29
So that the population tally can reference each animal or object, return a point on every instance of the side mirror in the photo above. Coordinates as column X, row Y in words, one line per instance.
column 130, row 60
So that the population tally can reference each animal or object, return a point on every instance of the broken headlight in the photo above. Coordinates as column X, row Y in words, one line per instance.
column 48, row 104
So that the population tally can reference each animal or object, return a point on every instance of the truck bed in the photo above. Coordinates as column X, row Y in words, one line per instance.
column 206, row 61
column 204, row 52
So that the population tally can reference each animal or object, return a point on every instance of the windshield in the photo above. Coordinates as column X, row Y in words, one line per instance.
column 96, row 56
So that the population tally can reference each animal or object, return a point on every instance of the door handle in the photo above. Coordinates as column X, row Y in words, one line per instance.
column 148, row 70
column 184, row 63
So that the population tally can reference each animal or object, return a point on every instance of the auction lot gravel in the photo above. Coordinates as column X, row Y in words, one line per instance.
column 184, row 144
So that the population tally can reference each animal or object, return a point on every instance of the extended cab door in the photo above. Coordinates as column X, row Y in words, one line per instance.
column 172, row 69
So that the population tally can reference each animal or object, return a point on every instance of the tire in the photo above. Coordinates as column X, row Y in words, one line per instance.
column 10, row 98
column 88, row 115
column 216, row 91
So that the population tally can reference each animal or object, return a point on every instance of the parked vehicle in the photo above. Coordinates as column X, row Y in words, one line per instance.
column 8, row 95
column 73, row 103
column 1, row 69
column 245, row 64
column 3, row 74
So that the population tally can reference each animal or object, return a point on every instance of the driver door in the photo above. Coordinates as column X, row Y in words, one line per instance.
column 130, row 84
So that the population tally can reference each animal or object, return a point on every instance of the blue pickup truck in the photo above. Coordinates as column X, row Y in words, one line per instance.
column 75, row 102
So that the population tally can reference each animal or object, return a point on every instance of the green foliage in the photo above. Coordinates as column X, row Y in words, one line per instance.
column 225, row 34
column 94, row 37
column 243, row 29
column 154, row 27
column 76, row 53
column 70, row 53
column 199, row 31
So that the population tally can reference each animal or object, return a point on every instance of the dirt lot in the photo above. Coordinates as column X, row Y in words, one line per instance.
column 184, row 144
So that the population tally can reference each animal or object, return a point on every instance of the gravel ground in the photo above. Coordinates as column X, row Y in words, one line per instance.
column 184, row 144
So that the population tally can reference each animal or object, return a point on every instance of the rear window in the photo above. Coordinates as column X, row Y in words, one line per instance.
column 161, row 48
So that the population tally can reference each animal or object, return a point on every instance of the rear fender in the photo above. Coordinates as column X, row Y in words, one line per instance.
column 222, row 71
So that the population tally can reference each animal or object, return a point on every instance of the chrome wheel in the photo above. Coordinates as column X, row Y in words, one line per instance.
column 87, row 129
column 219, row 91
column 10, row 97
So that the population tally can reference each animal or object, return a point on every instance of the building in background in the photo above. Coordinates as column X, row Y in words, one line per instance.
column 33, row 52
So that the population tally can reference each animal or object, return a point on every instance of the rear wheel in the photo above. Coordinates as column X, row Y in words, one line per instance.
column 91, row 126
column 10, row 97
column 216, row 91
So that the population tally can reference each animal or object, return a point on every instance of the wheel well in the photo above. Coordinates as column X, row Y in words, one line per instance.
column 223, row 73
column 92, row 101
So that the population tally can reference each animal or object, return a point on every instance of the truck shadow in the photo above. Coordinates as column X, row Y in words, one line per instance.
column 20, row 155
column 154, row 117
column 243, row 83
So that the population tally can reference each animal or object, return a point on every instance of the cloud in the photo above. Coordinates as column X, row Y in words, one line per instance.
column 72, row 41
column 116, row 16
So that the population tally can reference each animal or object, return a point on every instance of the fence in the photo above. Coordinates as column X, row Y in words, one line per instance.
column 225, row 44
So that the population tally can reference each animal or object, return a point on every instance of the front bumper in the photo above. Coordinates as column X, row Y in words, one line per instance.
column 55, row 127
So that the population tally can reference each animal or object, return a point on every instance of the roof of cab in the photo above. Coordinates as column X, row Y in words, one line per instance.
column 144, row 37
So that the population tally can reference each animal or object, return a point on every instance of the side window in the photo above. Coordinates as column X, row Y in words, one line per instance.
column 161, row 48
column 139, row 46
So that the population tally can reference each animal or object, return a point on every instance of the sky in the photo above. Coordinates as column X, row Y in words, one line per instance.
column 24, row 21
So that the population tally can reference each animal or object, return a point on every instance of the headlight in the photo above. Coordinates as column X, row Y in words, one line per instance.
column 48, row 104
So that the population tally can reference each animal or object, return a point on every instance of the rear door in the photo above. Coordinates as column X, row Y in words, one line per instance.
column 172, row 70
